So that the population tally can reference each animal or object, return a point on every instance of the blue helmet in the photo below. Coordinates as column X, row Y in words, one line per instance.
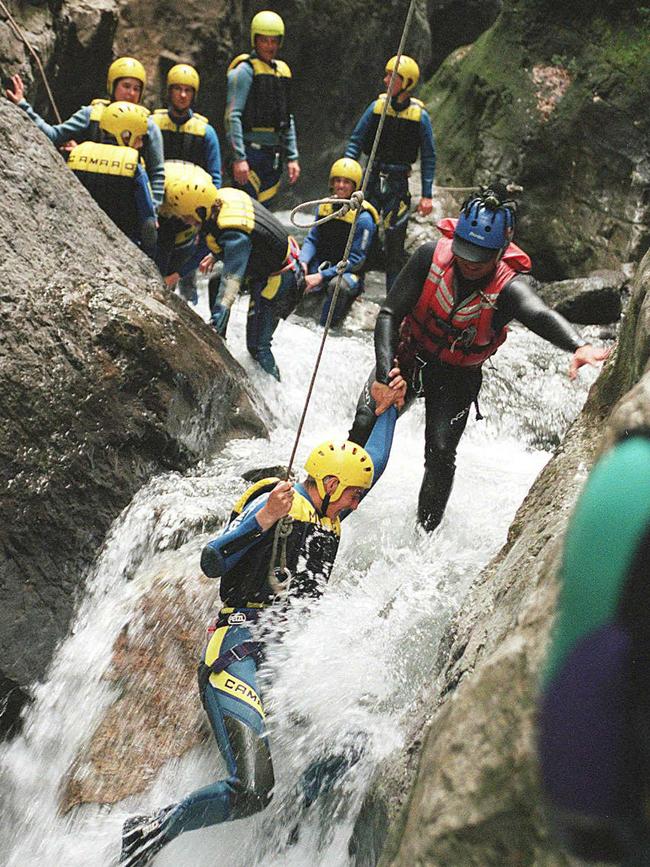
column 485, row 226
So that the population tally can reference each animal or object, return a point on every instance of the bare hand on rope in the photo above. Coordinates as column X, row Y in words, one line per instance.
column 16, row 92
column 207, row 263
column 425, row 207
column 386, row 395
column 313, row 282
column 277, row 506
column 587, row 354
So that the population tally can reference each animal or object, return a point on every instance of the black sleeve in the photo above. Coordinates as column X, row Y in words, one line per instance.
column 401, row 299
column 518, row 300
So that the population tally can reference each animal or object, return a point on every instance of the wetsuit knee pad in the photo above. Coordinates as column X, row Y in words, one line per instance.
column 439, row 460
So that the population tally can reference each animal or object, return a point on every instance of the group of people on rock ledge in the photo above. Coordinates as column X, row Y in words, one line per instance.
column 159, row 177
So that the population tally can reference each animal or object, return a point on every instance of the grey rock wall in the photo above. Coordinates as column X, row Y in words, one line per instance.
column 105, row 379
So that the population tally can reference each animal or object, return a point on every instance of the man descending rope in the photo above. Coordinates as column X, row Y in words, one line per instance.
column 253, row 565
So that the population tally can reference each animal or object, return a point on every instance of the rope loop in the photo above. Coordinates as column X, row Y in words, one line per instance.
column 345, row 205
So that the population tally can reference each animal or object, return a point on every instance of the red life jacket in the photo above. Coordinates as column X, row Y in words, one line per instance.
column 459, row 334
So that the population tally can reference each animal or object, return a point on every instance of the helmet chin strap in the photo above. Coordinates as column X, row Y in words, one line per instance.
column 324, row 506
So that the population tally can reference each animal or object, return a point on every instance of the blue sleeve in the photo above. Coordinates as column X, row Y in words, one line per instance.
column 239, row 83
column 60, row 133
column 201, row 250
column 379, row 445
column 355, row 145
column 237, row 247
column 290, row 141
column 154, row 160
column 143, row 199
column 238, row 537
column 427, row 154
column 309, row 248
column 380, row 441
column 213, row 155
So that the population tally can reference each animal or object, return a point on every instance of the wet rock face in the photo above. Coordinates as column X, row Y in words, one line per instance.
column 554, row 97
column 593, row 300
column 468, row 784
column 105, row 378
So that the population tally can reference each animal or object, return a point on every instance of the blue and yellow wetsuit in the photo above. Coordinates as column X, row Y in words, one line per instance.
column 259, row 122
column 240, row 557
column 323, row 248
column 189, row 138
column 83, row 126
column 255, row 247
column 406, row 133
column 594, row 716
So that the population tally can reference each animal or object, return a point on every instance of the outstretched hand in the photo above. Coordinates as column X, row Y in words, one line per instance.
column 386, row 395
column 16, row 92
column 277, row 506
column 587, row 354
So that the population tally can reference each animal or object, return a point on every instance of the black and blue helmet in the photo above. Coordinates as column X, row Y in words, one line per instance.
column 485, row 226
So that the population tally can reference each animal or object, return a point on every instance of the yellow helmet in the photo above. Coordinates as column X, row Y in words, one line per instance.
column 408, row 69
column 185, row 74
column 347, row 168
column 266, row 23
column 349, row 462
column 194, row 196
column 179, row 171
column 125, row 67
column 121, row 117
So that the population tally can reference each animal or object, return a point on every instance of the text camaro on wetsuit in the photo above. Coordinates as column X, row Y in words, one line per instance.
column 460, row 333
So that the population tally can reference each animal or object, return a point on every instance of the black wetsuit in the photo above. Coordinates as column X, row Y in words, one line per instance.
column 448, row 390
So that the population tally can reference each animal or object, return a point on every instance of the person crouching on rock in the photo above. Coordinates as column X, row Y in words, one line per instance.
column 255, row 592
column 325, row 245
column 255, row 248
column 111, row 173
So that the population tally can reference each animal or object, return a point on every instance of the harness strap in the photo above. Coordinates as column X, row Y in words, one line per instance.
column 235, row 654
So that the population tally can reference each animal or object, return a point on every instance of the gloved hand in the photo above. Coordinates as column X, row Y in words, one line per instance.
column 219, row 319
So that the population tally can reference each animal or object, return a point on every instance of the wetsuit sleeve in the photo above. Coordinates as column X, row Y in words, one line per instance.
column 238, row 537
column 200, row 252
column 400, row 301
column 213, row 155
column 237, row 247
column 154, row 160
column 378, row 447
column 518, row 300
column 290, row 141
column 309, row 249
column 60, row 133
column 239, row 83
column 427, row 154
column 355, row 145
column 143, row 198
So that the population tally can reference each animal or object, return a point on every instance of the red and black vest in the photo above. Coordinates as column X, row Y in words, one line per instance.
column 184, row 141
column 400, row 136
column 460, row 333
column 268, row 107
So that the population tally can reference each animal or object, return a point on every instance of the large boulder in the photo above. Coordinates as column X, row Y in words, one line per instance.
column 106, row 378
column 593, row 300
column 554, row 96
column 465, row 791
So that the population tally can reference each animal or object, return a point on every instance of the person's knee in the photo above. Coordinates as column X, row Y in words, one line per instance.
column 438, row 459
column 248, row 800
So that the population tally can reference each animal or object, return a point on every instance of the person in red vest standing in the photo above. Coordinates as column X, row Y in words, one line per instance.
column 446, row 314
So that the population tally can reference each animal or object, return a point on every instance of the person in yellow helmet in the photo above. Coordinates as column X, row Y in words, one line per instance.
column 125, row 82
column 253, row 587
column 325, row 244
column 187, row 136
column 112, row 174
column 255, row 249
column 406, row 134
column 259, row 120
